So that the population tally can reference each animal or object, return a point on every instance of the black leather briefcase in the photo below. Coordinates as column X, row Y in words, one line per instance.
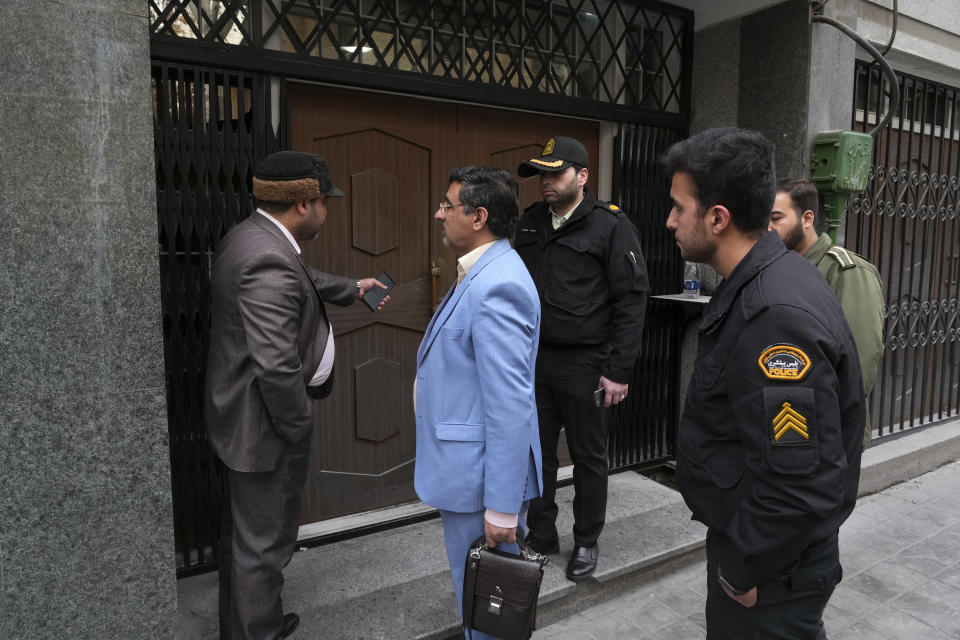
column 500, row 590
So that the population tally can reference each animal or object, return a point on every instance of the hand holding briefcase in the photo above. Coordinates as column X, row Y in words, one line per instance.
column 500, row 590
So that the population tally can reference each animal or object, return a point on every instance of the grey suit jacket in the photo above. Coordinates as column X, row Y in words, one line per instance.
column 268, row 331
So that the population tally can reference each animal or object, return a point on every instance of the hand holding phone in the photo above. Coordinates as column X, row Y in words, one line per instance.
column 373, row 297
column 598, row 397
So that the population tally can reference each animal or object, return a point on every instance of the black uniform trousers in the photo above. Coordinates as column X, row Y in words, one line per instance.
column 788, row 608
column 565, row 382
column 257, row 539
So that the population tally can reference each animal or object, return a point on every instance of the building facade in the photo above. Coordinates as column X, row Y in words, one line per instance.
column 127, row 151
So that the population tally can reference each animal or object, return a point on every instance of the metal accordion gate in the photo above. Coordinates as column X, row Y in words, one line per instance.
column 211, row 126
column 906, row 224
column 219, row 72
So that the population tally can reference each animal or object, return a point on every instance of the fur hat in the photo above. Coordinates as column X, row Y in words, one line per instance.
column 292, row 176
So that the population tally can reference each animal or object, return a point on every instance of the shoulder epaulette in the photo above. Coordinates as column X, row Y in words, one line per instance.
column 609, row 206
column 842, row 256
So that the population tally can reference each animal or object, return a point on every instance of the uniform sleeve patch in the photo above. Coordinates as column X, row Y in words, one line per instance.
column 792, row 446
column 790, row 425
column 784, row 362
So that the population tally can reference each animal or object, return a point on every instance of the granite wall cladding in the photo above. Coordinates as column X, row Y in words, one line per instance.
column 716, row 77
column 774, row 80
column 86, row 537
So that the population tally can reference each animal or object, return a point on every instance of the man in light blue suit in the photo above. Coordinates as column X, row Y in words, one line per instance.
column 478, row 443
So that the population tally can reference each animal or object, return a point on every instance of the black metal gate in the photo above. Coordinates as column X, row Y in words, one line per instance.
column 643, row 429
column 906, row 224
column 211, row 126
column 219, row 106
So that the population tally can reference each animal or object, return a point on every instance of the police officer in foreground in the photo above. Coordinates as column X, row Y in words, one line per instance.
column 585, row 260
column 856, row 283
column 768, row 450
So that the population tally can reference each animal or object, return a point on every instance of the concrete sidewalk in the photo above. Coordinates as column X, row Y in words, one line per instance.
column 900, row 551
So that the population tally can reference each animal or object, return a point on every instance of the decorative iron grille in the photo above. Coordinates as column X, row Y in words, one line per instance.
column 210, row 128
column 906, row 224
column 643, row 429
column 631, row 57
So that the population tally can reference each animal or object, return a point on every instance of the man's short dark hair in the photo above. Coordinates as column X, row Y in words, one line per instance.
column 493, row 189
column 805, row 196
column 729, row 167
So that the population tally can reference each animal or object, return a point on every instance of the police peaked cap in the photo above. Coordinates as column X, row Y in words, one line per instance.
column 559, row 153
column 292, row 176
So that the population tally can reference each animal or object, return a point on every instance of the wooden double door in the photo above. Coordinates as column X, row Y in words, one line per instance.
column 390, row 156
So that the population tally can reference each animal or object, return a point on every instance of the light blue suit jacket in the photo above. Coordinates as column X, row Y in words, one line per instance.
column 478, row 443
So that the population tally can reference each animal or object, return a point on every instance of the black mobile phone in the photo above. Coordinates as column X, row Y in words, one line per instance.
column 598, row 396
column 373, row 297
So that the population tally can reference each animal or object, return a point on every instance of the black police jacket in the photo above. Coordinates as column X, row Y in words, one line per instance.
column 591, row 278
column 768, row 450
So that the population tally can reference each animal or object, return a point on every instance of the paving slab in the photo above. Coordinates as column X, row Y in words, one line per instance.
column 900, row 550
column 903, row 583
column 395, row 584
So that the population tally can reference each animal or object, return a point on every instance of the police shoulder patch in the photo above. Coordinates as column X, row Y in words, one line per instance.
column 784, row 362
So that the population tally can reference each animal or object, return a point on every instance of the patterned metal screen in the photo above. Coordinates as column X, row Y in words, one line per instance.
column 643, row 428
column 210, row 128
column 629, row 54
column 906, row 224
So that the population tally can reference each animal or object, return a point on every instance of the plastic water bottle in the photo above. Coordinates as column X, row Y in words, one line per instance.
column 691, row 280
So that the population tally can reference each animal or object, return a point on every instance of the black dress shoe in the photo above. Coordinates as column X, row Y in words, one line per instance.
column 290, row 622
column 583, row 562
column 543, row 548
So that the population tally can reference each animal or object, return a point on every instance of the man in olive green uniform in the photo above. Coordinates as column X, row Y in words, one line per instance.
column 854, row 281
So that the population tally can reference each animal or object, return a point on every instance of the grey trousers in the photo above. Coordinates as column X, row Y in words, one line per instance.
column 257, row 540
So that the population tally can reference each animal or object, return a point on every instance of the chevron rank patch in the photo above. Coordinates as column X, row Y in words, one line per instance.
column 789, row 425
column 784, row 362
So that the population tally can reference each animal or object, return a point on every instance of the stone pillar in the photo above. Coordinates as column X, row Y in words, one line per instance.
column 86, row 535
column 716, row 77
column 790, row 84
column 775, row 81
column 832, row 70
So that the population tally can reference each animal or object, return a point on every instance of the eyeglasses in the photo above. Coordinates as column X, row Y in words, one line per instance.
column 446, row 205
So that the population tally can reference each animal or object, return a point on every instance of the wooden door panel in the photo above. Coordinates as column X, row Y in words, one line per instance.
column 386, row 195
column 364, row 436
column 390, row 155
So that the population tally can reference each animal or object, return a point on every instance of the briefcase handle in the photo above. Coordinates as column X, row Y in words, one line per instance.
column 525, row 551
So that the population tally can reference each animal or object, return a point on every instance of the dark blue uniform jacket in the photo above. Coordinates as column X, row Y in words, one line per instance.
column 768, row 451
column 592, row 280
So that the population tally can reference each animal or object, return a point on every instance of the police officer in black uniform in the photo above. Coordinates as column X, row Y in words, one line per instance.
column 585, row 259
column 768, row 450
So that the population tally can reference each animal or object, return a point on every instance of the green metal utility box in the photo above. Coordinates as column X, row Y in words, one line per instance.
column 838, row 167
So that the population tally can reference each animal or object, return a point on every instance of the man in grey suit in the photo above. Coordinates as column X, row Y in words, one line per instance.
column 271, row 353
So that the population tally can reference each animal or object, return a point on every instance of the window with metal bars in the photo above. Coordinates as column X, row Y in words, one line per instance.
column 907, row 222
